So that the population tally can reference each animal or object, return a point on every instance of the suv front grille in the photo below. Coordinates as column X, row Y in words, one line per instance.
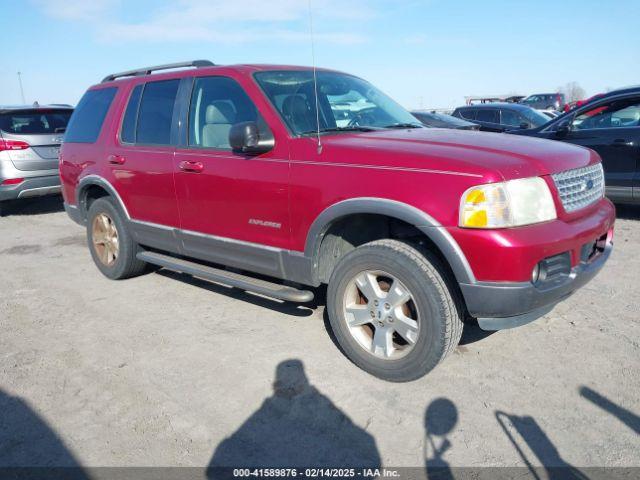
column 581, row 187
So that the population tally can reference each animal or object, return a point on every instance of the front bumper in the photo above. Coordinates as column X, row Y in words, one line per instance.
column 574, row 251
column 31, row 187
column 507, row 305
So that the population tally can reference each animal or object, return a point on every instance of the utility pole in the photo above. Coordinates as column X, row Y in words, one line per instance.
column 21, row 88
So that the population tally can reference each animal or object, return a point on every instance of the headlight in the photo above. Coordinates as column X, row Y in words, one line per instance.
column 507, row 204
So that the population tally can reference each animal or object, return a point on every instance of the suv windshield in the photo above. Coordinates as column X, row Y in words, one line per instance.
column 346, row 103
column 29, row 122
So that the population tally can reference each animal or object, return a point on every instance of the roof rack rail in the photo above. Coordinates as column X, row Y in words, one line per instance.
column 148, row 70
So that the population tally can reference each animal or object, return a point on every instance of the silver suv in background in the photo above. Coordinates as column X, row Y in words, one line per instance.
column 30, row 138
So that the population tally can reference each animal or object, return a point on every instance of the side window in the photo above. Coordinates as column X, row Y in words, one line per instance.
column 86, row 121
column 156, row 112
column 217, row 103
column 469, row 114
column 620, row 114
column 511, row 118
column 128, row 131
column 487, row 115
column 626, row 117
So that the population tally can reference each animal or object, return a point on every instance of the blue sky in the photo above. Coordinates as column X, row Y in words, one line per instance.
column 424, row 53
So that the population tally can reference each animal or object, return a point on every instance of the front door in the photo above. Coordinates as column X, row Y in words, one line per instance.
column 233, row 207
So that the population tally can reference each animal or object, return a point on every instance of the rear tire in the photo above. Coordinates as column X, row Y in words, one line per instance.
column 424, row 329
column 112, row 246
column 3, row 209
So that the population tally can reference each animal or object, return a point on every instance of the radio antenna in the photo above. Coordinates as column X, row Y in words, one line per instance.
column 315, row 79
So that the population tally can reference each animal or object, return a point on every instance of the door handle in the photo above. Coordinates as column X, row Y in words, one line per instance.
column 116, row 159
column 190, row 166
column 621, row 142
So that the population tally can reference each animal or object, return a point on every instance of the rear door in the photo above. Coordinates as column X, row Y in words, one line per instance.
column 41, row 129
column 140, row 160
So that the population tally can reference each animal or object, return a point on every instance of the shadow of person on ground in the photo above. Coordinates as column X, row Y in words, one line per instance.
column 440, row 419
column 532, row 434
column 296, row 427
column 33, row 206
column 627, row 417
column 628, row 212
column 27, row 441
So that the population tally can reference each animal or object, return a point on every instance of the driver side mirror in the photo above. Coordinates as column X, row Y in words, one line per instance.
column 248, row 138
column 564, row 127
column 525, row 125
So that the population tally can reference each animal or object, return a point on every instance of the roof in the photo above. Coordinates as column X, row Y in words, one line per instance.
column 489, row 97
column 621, row 91
column 184, row 68
column 54, row 106
column 513, row 106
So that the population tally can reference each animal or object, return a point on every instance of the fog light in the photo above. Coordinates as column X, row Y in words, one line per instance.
column 535, row 275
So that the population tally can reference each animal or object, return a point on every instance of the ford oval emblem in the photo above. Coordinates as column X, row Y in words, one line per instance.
column 589, row 184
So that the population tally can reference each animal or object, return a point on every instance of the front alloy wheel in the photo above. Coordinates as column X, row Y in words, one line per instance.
column 381, row 314
column 394, row 309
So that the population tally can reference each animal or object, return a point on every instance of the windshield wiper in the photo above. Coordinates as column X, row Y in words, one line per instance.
column 404, row 125
column 352, row 128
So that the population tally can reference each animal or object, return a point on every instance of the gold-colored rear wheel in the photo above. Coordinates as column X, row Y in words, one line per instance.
column 105, row 239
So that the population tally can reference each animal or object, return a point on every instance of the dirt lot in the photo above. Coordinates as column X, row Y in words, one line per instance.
column 169, row 370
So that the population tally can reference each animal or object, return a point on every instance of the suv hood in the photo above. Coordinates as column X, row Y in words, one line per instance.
column 495, row 156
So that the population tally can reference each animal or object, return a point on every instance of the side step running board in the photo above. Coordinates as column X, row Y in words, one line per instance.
column 243, row 282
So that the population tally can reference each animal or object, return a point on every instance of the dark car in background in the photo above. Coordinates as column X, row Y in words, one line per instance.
column 30, row 138
column 442, row 120
column 500, row 117
column 545, row 101
column 610, row 125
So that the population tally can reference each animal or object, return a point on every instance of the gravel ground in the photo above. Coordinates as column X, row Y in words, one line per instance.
column 167, row 370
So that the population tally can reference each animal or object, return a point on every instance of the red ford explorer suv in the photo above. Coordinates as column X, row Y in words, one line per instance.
column 228, row 172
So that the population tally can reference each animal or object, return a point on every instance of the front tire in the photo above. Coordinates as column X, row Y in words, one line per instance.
column 391, row 310
column 112, row 246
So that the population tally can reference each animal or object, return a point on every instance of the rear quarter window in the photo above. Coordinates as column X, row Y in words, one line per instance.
column 129, row 122
column 88, row 117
